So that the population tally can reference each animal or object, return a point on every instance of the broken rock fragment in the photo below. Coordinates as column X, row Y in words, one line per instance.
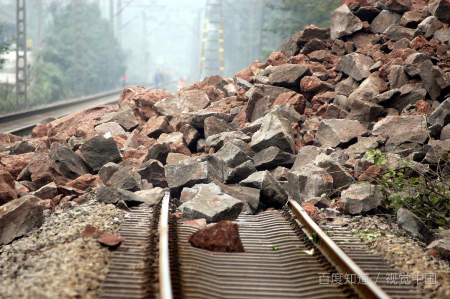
column 98, row 151
column 221, row 237
column 361, row 198
column 344, row 22
column 210, row 203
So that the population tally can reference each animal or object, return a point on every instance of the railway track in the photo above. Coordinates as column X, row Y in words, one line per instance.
column 287, row 256
column 23, row 122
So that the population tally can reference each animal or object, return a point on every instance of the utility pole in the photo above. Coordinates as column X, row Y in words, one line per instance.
column 21, row 53
column 119, row 21
column 145, row 46
column 111, row 44
column 78, row 48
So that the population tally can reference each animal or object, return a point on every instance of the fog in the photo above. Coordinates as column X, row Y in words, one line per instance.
column 80, row 47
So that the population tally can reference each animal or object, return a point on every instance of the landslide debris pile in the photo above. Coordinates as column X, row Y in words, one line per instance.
column 297, row 125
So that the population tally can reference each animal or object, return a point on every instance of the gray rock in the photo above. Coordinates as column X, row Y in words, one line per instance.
column 250, row 196
column 407, row 95
column 280, row 173
column 368, row 89
column 107, row 171
column 151, row 197
column 441, row 247
column 153, row 172
column 437, row 151
column 124, row 116
column 442, row 36
column 414, row 226
column 430, row 25
column 47, row 192
column 18, row 217
column 243, row 83
column 125, row 179
column 359, row 149
column 232, row 155
column 118, row 197
column 404, row 132
column 365, row 112
column 344, row 22
column 98, row 151
column 23, row 147
column 188, row 175
column 413, row 18
column 355, row 65
column 341, row 178
column 440, row 116
column 212, row 204
column 398, row 32
column 445, row 133
column 314, row 45
column 158, row 151
column 241, row 172
column 190, row 135
column 384, row 19
column 272, row 194
column 306, row 155
column 399, row 6
column 244, row 147
column 288, row 75
column 440, row 9
column 197, row 119
column 69, row 163
column 111, row 128
column 433, row 78
column 275, row 131
column 201, row 145
column 218, row 140
column 307, row 182
column 214, row 125
column 338, row 132
column 361, row 198
column 397, row 76
column 272, row 157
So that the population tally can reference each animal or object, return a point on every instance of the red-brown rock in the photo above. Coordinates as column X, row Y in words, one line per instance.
column 15, row 163
column 276, row 59
column 110, row 240
column 198, row 223
column 85, row 181
column 7, row 187
column 221, row 237
column 43, row 170
column 47, row 204
column 309, row 208
column 292, row 98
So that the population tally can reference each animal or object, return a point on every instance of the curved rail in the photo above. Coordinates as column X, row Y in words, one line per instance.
column 164, row 259
column 334, row 254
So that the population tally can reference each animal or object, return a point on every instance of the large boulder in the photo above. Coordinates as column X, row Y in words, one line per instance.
column 440, row 9
column 355, row 65
column 232, row 155
column 7, row 187
column 210, row 203
column 308, row 182
column 341, row 177
column 124, row 116
column 414, row 226
column 361, row 198
column 70, row 164
column 18, row 217
column 98, row 151
column 221, row 237
column 272, row 157
column 338, row 132
column 125, row 179
column 383, row 20
column 275, row 131
column 344, row 22
column 191, row 173
column 288, row 75
column 153, row 172
column 272, row 194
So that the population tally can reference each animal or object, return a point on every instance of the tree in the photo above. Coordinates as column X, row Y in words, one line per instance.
column 4, row 47
column 286, row 17
column 54, row 72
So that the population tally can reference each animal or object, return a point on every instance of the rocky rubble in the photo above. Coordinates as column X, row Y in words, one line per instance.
column 295, row 126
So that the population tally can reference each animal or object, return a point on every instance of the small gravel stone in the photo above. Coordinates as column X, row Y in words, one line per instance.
column 55, row 260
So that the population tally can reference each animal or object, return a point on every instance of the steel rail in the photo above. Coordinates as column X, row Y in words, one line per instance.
column 164, row 260
column 335, row 255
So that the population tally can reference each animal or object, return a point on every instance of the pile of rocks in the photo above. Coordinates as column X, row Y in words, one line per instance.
column 297, row 125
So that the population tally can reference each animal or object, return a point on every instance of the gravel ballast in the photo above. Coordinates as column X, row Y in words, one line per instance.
column 55, row 260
